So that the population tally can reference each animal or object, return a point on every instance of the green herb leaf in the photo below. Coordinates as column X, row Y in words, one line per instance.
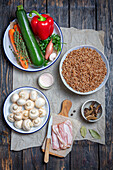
column 83, row 131
column 94, row 134
column 56, row 40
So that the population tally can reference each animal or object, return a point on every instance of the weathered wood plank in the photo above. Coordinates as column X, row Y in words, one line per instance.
column 37, row 5
column 8, row 159
column 59, row 163
column 82, row 14
column 84, row 154
column 105, row 22
column 59, row 11
column 33, row 158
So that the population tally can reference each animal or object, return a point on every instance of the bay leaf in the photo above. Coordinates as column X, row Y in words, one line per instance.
column 83, row 131
column 94, row 134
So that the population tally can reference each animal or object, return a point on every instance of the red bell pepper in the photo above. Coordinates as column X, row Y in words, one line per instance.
column 42, row 25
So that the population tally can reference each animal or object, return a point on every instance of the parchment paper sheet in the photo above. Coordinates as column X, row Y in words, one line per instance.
column 72, row 37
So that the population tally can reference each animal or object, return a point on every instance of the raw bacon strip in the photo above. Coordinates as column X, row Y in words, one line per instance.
column 68, row 122
column 56, row 131
column 65, row 130
column 62, row 135
column 55, row 142
column 68, row 131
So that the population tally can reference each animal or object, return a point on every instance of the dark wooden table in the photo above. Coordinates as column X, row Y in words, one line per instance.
column 92, row 14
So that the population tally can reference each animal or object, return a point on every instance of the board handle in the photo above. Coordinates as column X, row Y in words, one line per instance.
column 46, row 156
column 66, row 106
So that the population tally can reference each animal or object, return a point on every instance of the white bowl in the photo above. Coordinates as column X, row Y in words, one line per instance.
column 86, row 105
column 8, row 103
column 11, row 57
column 104, row 59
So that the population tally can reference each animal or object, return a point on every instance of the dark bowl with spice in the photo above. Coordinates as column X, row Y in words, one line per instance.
column 92, row 110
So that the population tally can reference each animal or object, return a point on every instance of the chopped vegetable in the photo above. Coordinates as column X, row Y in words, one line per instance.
column 94, row 134
column 15, row 39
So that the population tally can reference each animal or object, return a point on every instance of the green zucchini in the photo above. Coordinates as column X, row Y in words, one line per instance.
column 29, row 38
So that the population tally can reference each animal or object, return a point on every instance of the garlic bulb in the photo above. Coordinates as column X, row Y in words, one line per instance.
column 27, row 124
column 37, row 121
column 18, row 116
column 33, row 95
column 33, row 113
column 42, row 112
column 21, row 102
column 25, row 114
column 52, row 56
column 18, row 124
column 10, row 117
column 24, row 94
column 14, row 108
column 39, row 102
column 29, row 105
column 14, row 97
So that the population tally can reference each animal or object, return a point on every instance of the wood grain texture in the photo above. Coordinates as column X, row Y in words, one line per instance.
column 82, row 14
column 46, row 155
column 66, row 106
column 33, row 158
column 58, row 9
column 105, row 22
column 84, row 156
column 8, row 159
column 37, row 5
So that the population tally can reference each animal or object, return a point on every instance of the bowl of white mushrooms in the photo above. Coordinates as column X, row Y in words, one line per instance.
column 26, row 110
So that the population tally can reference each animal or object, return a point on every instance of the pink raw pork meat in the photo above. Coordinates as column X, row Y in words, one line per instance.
column 62, row 135
column 55, row 142
column 65, row 130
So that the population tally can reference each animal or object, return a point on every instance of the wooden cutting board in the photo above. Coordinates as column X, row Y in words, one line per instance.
column 66, row 106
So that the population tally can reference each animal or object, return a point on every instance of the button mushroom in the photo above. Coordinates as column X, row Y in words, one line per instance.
column 14, row 97
column 33, row 95
column 25, row 114
column 24, row 94
column 18, row 124
column 21, row 102
column 33, row 113
column 39, row 102
column 42, row 112
column 27, row 124
column 37, row 121
column 18, row 116
column 10, row 117
column 14, row 108
column 29, row 105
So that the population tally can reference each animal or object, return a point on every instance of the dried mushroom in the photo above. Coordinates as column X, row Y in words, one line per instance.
column 92, row 112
